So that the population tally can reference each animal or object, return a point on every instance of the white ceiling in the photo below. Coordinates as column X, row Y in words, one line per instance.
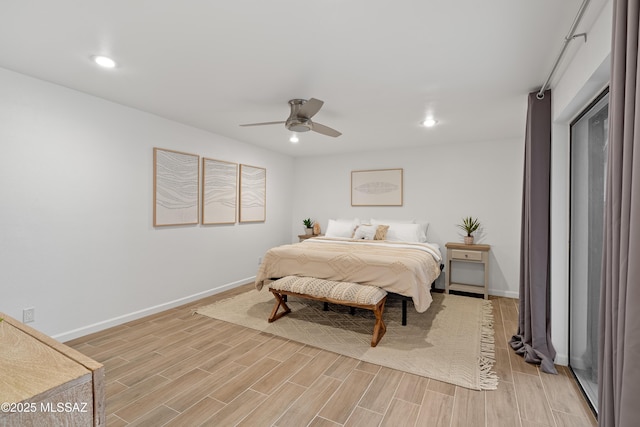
column 379, row 65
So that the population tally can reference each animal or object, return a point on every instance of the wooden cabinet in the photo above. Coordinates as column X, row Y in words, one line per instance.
column 44, row 382
column 459, row 252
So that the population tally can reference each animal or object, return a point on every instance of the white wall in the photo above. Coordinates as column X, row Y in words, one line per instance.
column 442, row 184
column 586, row 76
column 76, row 235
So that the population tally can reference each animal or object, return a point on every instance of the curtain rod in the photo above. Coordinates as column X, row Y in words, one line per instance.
column 567, row 39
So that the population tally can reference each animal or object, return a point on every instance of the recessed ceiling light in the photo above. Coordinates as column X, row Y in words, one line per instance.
column 104, row 61
column 294, row 138
column 430, row 122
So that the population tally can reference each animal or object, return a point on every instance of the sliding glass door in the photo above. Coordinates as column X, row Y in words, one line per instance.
column 589, row 137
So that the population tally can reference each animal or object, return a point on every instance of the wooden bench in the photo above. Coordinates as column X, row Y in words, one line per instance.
column 329, row 291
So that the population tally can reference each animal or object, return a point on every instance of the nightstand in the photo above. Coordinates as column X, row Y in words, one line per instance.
column 477, row 254
column 308, row 236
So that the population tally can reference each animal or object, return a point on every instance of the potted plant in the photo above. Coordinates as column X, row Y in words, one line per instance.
column 308, row 225
column 469, row 225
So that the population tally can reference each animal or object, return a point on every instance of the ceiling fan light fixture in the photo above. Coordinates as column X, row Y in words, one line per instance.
column 104, row 61
column 300, row 128
column 294, row 139
column 298, row 124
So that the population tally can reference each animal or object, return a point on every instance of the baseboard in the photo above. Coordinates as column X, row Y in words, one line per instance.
column 506, row 294
column 561, row 359
column 99, row 326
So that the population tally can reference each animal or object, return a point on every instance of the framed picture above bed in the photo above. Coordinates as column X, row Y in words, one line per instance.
column 219, row 191
column 379, row 187
column 176, row 178
column 253, row 192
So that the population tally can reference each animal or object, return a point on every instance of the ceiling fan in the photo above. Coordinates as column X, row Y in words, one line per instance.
column 300, row 118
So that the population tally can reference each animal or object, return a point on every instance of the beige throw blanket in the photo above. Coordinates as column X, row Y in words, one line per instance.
column 402, row 268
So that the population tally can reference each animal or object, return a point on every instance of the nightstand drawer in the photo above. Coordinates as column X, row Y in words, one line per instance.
column 467, row 255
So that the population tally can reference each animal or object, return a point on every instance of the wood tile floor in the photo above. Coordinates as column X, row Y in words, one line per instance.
column 179, row 369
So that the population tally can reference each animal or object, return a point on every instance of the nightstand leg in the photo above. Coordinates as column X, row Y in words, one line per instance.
column 486, row 276
column 447, row 277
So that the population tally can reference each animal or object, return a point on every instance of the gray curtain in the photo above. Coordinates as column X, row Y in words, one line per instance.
column 533, row 339
column 619, row 355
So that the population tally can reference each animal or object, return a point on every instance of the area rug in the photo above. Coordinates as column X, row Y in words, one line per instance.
column 453, row 341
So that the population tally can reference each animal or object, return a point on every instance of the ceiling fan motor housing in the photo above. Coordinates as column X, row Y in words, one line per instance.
column 297, row 122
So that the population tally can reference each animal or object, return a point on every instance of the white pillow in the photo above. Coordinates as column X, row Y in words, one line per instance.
column 425, row 228
column 340, row 228
column 421, row 235
column 365, row 231
column 406, row 233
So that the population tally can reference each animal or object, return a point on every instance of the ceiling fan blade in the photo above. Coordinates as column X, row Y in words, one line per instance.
column 310, row 108
column 325, row 130
column 262, row 124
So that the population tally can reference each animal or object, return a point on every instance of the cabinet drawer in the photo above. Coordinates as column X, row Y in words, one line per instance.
column 469, row 255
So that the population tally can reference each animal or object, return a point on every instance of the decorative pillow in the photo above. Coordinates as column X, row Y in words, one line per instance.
column 381, row 232
column 406, row 233
column 365, row 231
column 340, row 229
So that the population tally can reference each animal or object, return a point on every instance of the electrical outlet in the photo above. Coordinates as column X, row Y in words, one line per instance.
column 28, row 315
column 259, row 260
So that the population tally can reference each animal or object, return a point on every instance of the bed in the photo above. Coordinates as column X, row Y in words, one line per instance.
column 405, row 268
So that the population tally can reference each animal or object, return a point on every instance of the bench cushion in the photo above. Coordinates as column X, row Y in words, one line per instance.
column 322, row 288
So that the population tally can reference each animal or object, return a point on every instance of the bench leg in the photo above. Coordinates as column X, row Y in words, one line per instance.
column 379, row 329
column 280, row 302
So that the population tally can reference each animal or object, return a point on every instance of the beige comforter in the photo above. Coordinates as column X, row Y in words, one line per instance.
column 402, row 268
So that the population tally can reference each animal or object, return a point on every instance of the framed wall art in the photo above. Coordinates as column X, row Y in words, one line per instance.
column 219, row 191
column 380, row 187
column 176, row 178
column 253, row 191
